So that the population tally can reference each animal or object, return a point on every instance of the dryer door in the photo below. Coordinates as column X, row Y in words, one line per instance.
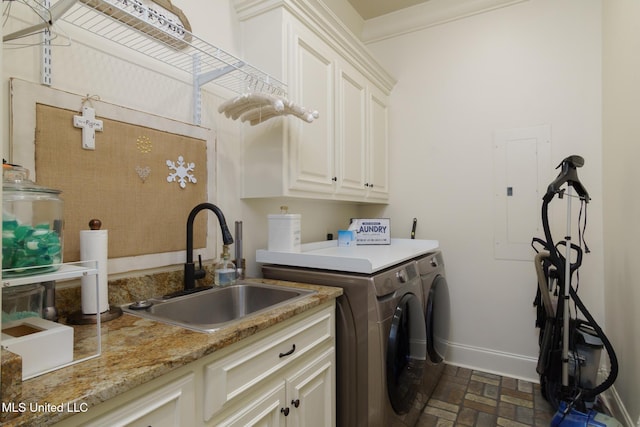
column 437, row 319
column 406, row 353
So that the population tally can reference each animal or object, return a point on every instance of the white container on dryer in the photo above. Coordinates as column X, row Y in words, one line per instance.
column 284, row 231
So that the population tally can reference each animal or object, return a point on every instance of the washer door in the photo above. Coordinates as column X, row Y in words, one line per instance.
column 437, row 319
column 406, row 353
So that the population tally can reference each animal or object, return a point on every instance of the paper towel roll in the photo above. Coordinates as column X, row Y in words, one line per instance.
column 94, row 246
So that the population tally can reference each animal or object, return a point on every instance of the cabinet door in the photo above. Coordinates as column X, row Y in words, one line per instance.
column 266, row 410
column 231, row 378
column 311, row 153
column 310, row 394
column 172, row 405
column 351, row 133
column 378, row 157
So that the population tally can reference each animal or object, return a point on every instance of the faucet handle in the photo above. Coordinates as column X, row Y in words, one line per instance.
column 199, row 273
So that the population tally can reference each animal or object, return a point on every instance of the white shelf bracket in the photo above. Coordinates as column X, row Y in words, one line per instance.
column 55, row 12
column 200, row 80
column 197, row 95
column 46, row 57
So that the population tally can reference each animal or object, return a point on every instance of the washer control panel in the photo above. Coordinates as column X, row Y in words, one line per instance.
column 395, row 278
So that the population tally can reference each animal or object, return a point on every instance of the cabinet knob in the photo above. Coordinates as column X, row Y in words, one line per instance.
column 334, row 179
column 295, row 403
column 285, row 411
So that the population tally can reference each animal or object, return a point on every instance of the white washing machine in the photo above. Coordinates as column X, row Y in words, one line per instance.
column 381, row 333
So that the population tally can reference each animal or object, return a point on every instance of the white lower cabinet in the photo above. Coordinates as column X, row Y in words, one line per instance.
column 305, row 398
column 292, row 369
column 310, row 393
column 265, row 409
column 169, row 406
column 282, row 376
column 168, row 401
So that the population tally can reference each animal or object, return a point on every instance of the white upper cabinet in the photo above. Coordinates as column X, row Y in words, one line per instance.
column 311, row 148
column 351, row 131
column 378, row 145
column 343, row 154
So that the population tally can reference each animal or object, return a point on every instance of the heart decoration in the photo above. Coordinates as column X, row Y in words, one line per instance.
column 143, row 172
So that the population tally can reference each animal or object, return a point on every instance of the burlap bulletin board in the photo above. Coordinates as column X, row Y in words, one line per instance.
column 123, row 182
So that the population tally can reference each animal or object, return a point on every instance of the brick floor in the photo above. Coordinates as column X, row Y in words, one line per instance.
column 465, row 397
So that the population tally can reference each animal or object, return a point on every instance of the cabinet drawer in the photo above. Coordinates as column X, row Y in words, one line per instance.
column 245, row 368
column 169, row 406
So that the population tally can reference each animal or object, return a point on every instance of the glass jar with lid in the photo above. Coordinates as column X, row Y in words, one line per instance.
column 32, row 224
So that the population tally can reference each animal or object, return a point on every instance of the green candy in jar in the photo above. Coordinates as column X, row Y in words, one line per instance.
column 32, row 225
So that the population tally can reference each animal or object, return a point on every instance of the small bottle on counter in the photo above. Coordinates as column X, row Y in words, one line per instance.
column 240, row 266
column 225, row 271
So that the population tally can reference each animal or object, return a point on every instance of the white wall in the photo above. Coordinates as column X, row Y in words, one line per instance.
column 530, row 64
column 621, row 131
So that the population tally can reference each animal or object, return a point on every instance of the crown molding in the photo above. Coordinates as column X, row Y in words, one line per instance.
column 321, row 19
column 425, row 15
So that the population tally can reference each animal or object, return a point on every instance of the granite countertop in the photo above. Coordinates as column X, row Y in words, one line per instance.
column 137, row 350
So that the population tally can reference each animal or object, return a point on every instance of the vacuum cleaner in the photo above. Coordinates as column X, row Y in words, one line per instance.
column 570, row 347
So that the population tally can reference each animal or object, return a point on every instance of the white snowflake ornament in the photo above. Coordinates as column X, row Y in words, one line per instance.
column 182, row 172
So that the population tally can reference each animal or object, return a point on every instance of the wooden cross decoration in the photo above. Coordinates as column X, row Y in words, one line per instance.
column 89, row 126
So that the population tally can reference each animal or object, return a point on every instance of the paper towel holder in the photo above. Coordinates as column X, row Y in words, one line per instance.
column 80, row 318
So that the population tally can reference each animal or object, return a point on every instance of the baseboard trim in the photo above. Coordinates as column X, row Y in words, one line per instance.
column 521, row 367
column 492, row 361
column 616, row 406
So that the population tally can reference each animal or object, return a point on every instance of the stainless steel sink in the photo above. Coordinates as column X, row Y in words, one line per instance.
column 209, row 310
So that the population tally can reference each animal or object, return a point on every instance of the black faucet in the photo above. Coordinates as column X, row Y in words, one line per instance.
column 190, row 272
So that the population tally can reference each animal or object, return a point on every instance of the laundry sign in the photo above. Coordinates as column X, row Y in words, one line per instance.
column 371, row 231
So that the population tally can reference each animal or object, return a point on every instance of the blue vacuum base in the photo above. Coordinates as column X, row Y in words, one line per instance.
column 575, row 418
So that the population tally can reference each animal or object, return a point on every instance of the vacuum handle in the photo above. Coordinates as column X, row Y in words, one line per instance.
column 573, row 266
column 568, row 175
column 540, row 242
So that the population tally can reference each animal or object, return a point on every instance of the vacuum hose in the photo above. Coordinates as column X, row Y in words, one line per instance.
column 558, row 263
column 613, row 359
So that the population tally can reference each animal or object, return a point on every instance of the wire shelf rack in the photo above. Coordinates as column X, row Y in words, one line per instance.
column 130, row 24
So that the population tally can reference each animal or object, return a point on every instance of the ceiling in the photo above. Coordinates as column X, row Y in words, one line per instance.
column 372, row 8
